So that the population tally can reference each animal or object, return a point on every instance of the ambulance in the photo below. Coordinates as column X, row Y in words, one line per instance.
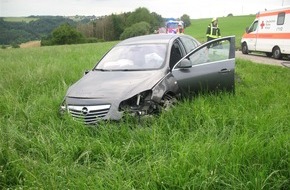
column 269, row 33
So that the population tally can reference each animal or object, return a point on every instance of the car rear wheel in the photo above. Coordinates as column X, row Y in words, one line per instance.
column 245, row 49
column 277, row 53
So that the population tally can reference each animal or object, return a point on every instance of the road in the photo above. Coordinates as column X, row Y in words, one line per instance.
column 260, row 58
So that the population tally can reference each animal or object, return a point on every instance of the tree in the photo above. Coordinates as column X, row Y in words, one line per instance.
column 157, row 21
column 118, row 24
column 142, row 14
column 186, row 20
column 66, row 34
column 139, row 15
column 137, row 29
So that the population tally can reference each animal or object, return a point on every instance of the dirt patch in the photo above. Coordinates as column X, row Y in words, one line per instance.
column 30, row 44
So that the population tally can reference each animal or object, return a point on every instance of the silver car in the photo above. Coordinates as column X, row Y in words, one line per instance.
column 145, row 74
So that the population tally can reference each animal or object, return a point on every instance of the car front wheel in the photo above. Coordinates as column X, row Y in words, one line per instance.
column 168, row 101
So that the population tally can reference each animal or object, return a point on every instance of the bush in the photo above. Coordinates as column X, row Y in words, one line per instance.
column 138, row 29
column 93, row 40
column 14, row 45
column 64, row 34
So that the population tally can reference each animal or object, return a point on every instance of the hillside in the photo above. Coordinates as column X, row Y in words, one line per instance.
column 17, row 30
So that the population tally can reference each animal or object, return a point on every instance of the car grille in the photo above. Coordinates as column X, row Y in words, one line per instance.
column 88, row 114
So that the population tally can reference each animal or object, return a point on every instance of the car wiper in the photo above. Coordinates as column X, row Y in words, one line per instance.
column 101, row 70
column 128, row 69
column 118, row 69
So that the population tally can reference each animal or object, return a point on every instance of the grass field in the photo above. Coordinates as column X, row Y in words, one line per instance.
column 19, row 19
column 219, row 141
column 212, row 142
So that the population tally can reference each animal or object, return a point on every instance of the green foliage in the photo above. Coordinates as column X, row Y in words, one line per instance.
column 118, row 22
column 64, row 34
column 139, row 15
column 186, row 20
column 157, row 22
column 137, row 29
column 143, row 15
column 111, row 27
column 14, row 45
column 221, row 141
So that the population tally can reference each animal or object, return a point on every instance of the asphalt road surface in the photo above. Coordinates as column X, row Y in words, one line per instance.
column 261, row 58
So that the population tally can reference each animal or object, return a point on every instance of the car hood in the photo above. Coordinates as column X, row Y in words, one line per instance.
column 113, row 84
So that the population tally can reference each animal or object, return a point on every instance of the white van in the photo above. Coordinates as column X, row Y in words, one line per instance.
column 269, row 33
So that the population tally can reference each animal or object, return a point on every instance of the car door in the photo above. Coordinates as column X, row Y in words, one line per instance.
column 251, row 35
column 209, row 67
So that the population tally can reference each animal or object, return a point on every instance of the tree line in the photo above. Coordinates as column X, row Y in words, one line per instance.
column 54, row 30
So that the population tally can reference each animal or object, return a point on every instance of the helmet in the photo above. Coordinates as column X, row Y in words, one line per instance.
column 214, row 19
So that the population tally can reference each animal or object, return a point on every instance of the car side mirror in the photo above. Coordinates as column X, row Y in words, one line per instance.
column 185, row 63
column 247, row 30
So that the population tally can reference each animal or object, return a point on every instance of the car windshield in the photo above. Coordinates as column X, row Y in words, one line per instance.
column 134, row 57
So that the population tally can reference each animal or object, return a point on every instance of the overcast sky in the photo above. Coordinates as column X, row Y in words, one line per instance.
column 166, row 8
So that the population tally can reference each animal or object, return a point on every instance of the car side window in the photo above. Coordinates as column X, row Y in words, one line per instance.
column 175, row 54
column 215, row 52
column 188, row 43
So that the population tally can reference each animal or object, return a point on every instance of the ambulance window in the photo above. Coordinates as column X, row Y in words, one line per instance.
column 253, row 27
column 281, row 18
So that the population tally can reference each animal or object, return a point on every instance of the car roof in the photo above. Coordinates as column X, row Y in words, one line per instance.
column 151, row 39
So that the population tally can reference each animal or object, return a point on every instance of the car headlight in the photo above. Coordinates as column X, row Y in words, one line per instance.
column 63, row 108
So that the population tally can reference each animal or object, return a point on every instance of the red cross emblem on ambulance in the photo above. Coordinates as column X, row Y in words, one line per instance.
column 262, row 25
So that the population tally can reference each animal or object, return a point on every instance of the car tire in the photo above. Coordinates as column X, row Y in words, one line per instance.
column 168, row 101
column 245, row 49
column 277, row 53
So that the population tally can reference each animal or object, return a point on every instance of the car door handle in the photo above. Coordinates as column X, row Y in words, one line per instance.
column 225, row 70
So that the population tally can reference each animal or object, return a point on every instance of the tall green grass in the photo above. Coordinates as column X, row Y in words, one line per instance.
column 221, row 141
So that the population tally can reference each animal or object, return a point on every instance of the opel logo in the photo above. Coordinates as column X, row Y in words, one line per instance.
column 85, row 110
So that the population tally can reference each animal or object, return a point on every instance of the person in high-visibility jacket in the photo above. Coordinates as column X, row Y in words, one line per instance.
column 213, row 30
